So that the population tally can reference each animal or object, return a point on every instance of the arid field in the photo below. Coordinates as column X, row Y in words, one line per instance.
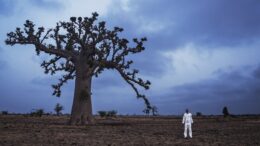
column 20, row 130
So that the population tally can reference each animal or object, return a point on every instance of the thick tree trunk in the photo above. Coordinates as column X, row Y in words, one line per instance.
column 81, row 112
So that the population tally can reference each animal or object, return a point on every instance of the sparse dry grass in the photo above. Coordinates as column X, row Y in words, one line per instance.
column 53, row 130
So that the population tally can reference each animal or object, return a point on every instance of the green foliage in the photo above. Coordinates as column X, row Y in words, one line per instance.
column 58, row 108
column 4, row 112
column 37, row 113
column 111, row 113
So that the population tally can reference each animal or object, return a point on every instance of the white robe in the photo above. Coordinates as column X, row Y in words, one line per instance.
column 187, row 118
column 187, row 121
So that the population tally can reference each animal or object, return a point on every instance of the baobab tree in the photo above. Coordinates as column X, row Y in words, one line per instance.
column 82, row 48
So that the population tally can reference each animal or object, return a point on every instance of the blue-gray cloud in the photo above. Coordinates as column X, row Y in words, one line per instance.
column 3, row 63
column 240, row 92
column 7, row 7
column 210, row 23
column 256, row 73
column 108, row 79
column 151, row 63
column 50, row 5
column 207, row 24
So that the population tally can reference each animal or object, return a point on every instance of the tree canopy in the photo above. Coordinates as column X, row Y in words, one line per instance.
column 82, row 40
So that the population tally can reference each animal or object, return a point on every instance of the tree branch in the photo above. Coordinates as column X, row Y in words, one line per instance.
column 29, row 36
column 132, row 80
column 64, row 79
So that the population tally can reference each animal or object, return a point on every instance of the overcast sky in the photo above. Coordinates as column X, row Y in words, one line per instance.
column 202, row 55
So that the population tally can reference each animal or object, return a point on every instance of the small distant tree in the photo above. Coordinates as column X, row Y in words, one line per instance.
column 225, row 111
column 198, row 114
column 102, row 113
column 58, row 108
column 4, row 112
column 37, row 112
column 147, row 111
column 111, row 113
column 154, row 110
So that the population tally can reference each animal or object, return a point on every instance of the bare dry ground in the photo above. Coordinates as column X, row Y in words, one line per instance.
column 19, row 130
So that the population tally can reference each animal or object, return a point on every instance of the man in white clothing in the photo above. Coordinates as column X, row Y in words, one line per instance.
column 187, row 121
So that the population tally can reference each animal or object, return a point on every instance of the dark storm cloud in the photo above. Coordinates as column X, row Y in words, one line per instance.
column 256, row 72
column 108, row 79
column 210, row 23
column 151, row 63
column 239, row 91
column 49, row 80
column 168, row 24
column 105, row 80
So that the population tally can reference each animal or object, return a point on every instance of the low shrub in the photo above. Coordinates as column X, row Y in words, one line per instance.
column 225, row 112
column 111, row 113
column 37, row 113
column 4, row 112
column 153, row 110
column 58, row 108
column 198, row 114
column 102, row 113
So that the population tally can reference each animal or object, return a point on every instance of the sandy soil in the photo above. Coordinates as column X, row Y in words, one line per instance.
column 18, row 130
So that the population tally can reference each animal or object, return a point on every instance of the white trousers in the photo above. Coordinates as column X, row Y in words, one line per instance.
column 187, row 127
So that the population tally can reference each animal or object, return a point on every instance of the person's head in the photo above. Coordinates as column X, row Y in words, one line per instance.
column 187, row 110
